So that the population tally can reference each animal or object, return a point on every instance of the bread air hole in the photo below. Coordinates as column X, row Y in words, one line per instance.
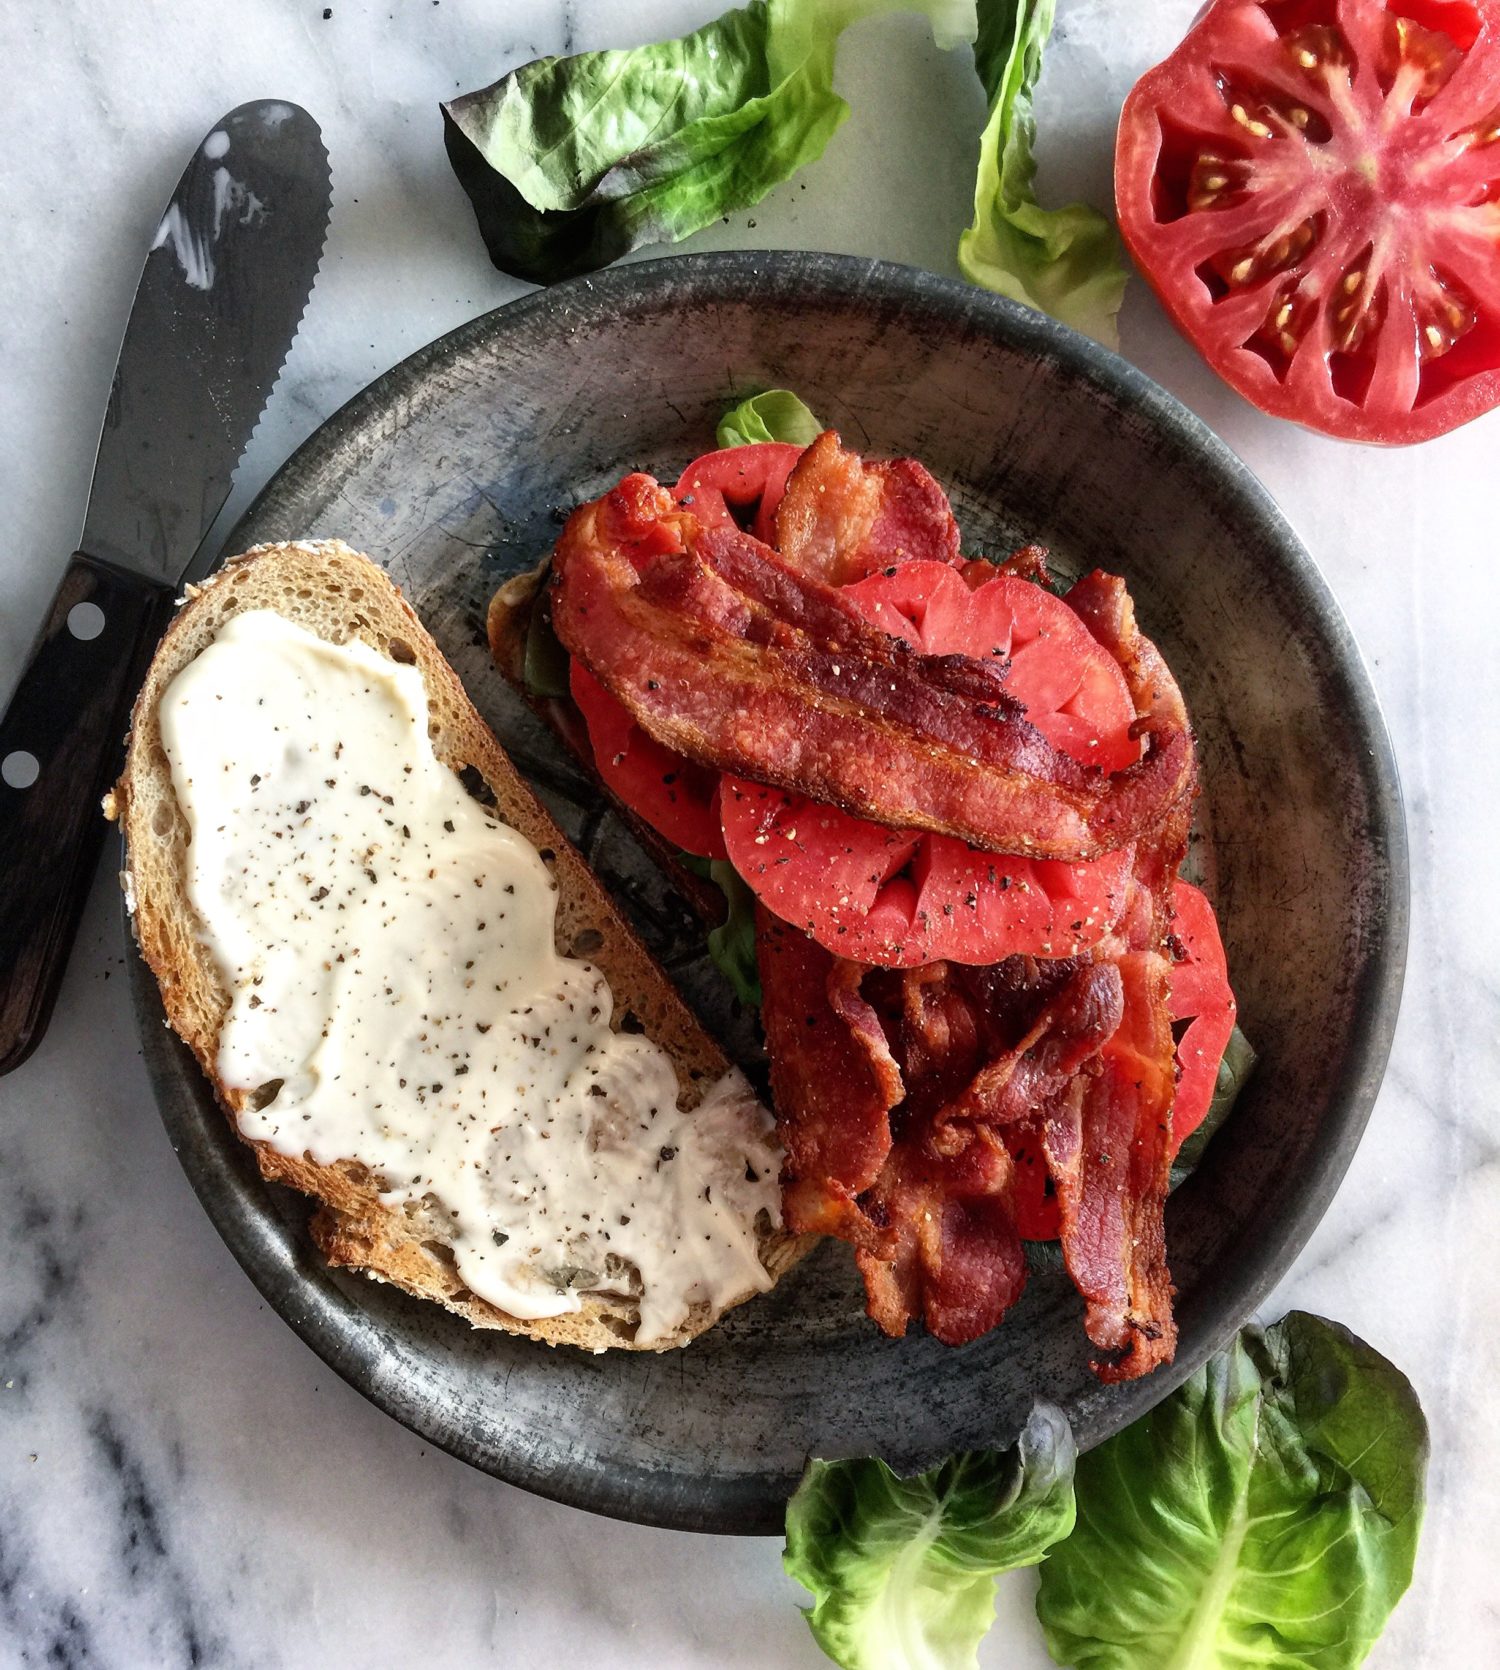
column 401, row 651
column 473, row 781
column 163, row 822
column 586, row 943
column 262, row 1097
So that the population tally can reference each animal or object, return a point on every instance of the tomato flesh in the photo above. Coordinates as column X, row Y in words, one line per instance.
column 901, row 898
column 676, row 796
column 898, row 898
column 1313, row 189
column 1074, row 691
column 714, row 486
column 1201, row 996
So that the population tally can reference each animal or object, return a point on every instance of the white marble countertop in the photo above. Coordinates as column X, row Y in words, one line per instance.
column 182, row 1482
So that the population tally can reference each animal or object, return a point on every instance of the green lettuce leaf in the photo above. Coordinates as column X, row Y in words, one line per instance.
column 1265, row 1514
column 902, row 1571
column 572, row 162
column 732, row 943
column 546, row 667
column 1234, row 1070
column 1064, row 261
column 776, row 415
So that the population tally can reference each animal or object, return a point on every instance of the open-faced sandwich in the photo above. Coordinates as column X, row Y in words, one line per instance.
column 960, row 797
column 412, row 998
column 952, row 802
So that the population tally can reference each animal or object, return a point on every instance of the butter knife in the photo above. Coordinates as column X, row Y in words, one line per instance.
column 225, row 283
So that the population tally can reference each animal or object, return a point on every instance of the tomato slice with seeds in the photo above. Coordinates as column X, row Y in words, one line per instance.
column 1200, row 995
column 714, row 486
column 1313, row 189
column 900, row 898
column 676, row 796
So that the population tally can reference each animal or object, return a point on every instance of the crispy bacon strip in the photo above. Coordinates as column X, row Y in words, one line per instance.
column 892, row 1105
column 842, row 518
column 1013, row 1087
column 723, row 652
column 832, row 1079
column 957, row 1260
column 1109, row 1151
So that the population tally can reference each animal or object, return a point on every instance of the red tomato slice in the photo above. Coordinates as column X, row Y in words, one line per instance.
column 900, row 898
column 1199, row 994
column 739, row 476
column 1074, row 691
column 677, row 797
column 1313, row 189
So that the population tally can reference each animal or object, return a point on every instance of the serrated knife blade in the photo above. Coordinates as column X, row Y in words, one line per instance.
column 225, row 283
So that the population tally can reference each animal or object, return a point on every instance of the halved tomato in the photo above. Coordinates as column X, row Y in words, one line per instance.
column 676, row 796
column 1201, row 996
column 739, row 476
column 1313, row 189
column 900, row 898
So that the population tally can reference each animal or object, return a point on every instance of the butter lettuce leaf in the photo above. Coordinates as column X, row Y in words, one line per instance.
column 731, row 945
column 572, row 162
column 1066, row 261
column 776, row 415
column 1234, row 1070
column 1266, row 1513
column 902, row 1571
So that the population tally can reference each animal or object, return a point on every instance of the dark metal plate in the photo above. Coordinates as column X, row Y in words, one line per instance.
column 451, row 468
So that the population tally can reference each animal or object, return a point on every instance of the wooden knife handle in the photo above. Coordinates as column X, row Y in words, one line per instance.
column 61, row 746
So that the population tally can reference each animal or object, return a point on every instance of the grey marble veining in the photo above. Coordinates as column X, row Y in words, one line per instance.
column 181, row 1480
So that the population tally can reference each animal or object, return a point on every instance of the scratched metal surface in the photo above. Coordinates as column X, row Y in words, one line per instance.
column 452, row 470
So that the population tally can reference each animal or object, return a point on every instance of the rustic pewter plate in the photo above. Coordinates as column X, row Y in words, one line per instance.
column 454, row 470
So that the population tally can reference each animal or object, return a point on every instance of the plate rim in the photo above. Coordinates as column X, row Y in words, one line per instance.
column 259, row 1240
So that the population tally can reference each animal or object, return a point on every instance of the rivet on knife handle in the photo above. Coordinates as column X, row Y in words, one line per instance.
column 60, row 748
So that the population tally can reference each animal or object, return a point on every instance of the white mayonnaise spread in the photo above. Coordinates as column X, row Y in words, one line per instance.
column 389, row 946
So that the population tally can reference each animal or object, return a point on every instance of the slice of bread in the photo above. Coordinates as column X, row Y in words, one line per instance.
column 333, row 591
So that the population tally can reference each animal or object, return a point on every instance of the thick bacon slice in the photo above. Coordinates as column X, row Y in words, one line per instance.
column 896, row 1106
column 1109, row 1152
column 1017, row 1084
column 842, row 518
column 723, row 652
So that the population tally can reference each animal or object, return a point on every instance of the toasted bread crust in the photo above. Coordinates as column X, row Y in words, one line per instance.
column 333, row 591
